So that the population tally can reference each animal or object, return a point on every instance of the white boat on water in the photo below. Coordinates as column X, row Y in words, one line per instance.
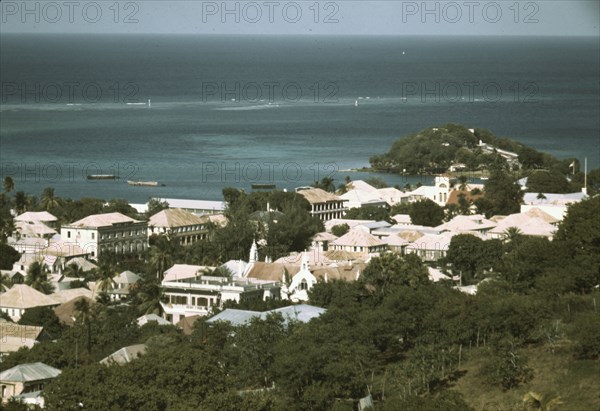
column 143, row 183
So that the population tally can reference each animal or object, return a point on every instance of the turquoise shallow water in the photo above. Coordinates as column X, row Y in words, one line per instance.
column 230, row 111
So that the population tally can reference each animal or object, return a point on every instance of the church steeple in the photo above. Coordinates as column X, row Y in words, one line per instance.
column 253, row 253
column 304, row 263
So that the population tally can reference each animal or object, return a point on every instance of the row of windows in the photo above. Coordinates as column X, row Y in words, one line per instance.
column 120, row 234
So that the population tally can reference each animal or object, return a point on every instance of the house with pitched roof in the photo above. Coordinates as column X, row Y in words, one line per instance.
column 38, row 217
column 301, row 312
column 324, row 205
column 526, row 224
column 554, row 204
column 125, row 355
column 21, row 297
column 180, row 224
column 468, row 223
column 358, row 240
column 122, row 284
column 15, row 336
column 110, row 232
column 26, row 381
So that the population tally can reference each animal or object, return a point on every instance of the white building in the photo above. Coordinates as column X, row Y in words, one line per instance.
column 324, row 205
column 180, row 224
column 198, row 295
column 554, row 204
column 111, row 232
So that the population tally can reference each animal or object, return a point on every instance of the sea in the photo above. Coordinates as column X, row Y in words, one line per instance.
column 197, row 113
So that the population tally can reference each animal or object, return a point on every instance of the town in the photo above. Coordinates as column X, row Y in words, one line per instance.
column 438, row 277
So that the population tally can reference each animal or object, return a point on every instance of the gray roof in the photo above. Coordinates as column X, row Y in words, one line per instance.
column 235, row 317
column 145, row 319
column 302, row 312
column 376, row 224
column 125, row 354
column 29, row 372
column 127, row 277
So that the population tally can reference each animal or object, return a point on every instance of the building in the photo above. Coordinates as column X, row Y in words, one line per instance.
column 125, row 355
column 511, row 158
column 438, row 193
column 16, row 336
column 122, row 285
column 301, row 312
column 358, row 240
column 179, row 223
column 362, row 194
column 21, row 297
column 198, row 207
column 111, row 232
column 554, row 204
column 43, row 217
column 324, row 205
column 14, row 276
column 525, row 224
column 468, row 223
column 26, row 381
column 198, row 295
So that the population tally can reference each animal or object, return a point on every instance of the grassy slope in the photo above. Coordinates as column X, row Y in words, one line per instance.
column 576, row 382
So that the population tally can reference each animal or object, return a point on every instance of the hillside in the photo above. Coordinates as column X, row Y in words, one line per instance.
column 434, row 149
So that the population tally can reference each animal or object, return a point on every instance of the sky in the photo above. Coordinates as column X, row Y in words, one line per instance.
column 306, row 17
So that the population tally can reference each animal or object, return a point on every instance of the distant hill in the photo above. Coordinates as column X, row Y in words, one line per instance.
column 435, row 149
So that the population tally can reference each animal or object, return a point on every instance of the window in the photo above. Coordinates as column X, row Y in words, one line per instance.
column 68, row 234
column 304, row 284
column 93, row 236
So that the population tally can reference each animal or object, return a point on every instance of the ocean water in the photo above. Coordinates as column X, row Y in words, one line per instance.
column 233, row 111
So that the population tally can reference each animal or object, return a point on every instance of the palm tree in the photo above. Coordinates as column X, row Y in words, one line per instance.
column 20, row 202
column 512, row 234
column 37, row 278
column 74, row 271
column 161, row 255
column 5, row 282
column 104, row 275
column 149, row 294
column 48, row 201
column 84, row 314
column 8, row 184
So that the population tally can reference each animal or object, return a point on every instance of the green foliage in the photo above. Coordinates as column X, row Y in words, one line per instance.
column 42, row 317
column 326, row 183
column 8, row 256
column 156, row 206
column 37, row 278
column 586, row 331
column 548, row 182
column 390, row 270
column 377, row 182
column 340, row 229
column 427, row 213
column 507, row 367
column 503, row 195
column 579, row 235
column 368, row 213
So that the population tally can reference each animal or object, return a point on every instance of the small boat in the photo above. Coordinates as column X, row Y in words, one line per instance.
column 143, row 183
column 102, row 177
column 355, row 103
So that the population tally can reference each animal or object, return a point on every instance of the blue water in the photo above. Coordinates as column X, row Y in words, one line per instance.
column 232, row 111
